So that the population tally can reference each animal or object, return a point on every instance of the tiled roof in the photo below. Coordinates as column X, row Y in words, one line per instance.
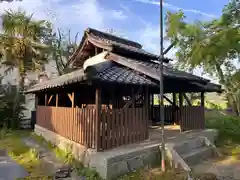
column 65, row 79
column 123, row 70
column 106, row 72
column 152, row 69
column 111, row 72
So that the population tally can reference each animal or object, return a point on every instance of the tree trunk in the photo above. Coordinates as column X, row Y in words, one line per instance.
column 230, row 95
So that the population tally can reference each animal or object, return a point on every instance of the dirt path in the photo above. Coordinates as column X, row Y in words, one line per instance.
column 54, row 167
column 226, row 168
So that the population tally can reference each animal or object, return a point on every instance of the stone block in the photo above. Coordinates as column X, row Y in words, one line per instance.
column 149, row 158
column 135, row 163
column 117, row 169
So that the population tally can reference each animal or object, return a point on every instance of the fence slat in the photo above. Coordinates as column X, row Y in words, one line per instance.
column 119, row 126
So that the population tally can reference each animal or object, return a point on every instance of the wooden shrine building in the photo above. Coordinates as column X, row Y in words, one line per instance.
column 107, row 101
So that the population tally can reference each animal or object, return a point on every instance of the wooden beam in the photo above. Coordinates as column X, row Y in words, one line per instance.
column 132, row 99
column 98, row 118
column 187, row 99
column 70, row 97
column 49, row 100
column 168, row 100
column 75, row 54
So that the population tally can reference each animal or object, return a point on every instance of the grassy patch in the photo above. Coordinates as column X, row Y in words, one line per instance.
column 67, row 158
column 23, row 155
column 229, row 134
column 170, row 174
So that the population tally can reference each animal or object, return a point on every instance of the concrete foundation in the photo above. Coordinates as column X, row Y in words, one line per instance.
column 114, row 162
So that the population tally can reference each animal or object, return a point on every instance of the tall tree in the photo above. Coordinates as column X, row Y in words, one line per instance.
column 23, row 46
column 213, row 45
column 62, row 48
column 23, row 43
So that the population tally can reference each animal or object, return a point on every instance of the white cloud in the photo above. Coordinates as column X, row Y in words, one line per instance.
column 150, row 38
column 68, row 14
column 118, row 15
column 30, row 6
column 170, row 6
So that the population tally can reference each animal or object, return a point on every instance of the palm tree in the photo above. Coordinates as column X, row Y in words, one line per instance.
column 23, row 44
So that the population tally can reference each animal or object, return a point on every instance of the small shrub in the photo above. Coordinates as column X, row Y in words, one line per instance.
column 229, row 134
column 228, row 126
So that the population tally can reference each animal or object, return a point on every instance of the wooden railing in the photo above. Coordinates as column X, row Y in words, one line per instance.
column 73, row 123
column 192, row 118
column 188, row 117
column 117, row 127
column 123, row 126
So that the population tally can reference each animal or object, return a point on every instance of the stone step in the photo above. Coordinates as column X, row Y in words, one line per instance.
column 197, row 155
column 187, row 146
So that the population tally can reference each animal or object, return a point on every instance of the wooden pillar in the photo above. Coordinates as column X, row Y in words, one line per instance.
column 180, row 111
column 203, row 109
column 180, row 99
column 98, row 117
column 147, row 111
column 73, row 99
column 202, row 99
column 45, row 99
column 96, row 50
column 36, row 101
column 133, row 99
column 133, row 117
column 174, row 109
column 57, row 100
column 151, row 107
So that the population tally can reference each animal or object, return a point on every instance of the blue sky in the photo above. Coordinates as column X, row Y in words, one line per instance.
column 134, row 19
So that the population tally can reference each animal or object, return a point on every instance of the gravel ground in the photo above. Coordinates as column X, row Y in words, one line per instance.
column 227, row 168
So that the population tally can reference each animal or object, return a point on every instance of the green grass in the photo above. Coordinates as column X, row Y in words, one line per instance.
column 23, row 155
column 67, row 158
column 228, row 142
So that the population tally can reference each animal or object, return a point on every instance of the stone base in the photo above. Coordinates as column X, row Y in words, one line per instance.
column 79, row 152
column 108, row 164
column 121, row 160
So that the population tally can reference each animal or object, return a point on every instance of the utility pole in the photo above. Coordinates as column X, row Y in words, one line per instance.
column 161, row 88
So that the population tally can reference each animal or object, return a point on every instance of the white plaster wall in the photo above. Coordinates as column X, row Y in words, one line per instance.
column 11, row 78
